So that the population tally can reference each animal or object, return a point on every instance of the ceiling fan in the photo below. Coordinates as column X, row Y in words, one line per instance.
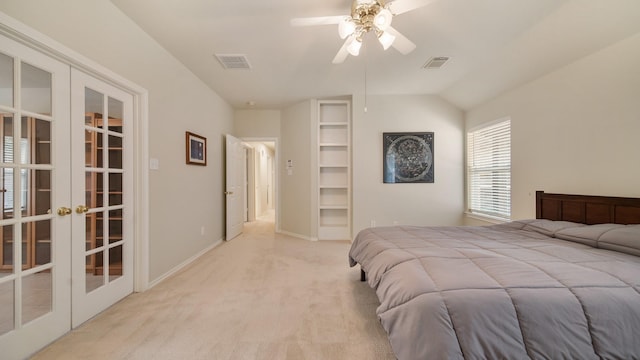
column 367, row 16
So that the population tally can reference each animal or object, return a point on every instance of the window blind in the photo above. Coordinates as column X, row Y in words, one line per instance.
column 489, row 170
column 8, row 157
column 8, row 173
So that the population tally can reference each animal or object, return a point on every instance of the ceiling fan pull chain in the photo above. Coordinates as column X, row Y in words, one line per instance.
column 365, row 80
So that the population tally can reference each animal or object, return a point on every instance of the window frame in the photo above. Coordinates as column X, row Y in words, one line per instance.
column 488, row 153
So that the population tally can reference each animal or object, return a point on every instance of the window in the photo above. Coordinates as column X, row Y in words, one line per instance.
column 489, row 170
column 7, row 179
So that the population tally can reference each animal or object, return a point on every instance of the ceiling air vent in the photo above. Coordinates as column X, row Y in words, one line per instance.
column 436, row 62
column 233, row 61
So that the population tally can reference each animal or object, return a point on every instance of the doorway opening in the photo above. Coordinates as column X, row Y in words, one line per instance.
column 261, row 181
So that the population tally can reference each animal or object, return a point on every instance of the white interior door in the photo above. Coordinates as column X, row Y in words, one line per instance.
column 35, row 297
column 102, row 195
column 234, row 186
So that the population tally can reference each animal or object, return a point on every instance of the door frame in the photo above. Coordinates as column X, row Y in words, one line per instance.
column 249, row 180
column 35, row 40
column 276, row 162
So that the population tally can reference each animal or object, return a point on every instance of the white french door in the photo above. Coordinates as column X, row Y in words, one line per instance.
column 35, row 229
column 102, row 165
column 66, row 188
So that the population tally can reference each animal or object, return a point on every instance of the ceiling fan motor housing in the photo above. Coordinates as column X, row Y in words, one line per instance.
column 363, row 14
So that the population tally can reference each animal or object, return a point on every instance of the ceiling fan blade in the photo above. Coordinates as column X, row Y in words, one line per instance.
column 320, row 20
column 342, row 54
column 398, row 7
column 401, row 43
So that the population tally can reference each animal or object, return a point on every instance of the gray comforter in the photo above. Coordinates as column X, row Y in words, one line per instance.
column 530, row 289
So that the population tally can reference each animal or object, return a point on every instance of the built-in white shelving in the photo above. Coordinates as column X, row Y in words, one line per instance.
column 334, row 170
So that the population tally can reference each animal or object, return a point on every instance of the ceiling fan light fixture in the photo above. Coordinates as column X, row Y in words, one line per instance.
column 383, row 18
column 354, row 46
column 386, row 39
column 366, row 16
column 346, row 27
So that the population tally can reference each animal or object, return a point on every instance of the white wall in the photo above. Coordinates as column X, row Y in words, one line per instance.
column 574, row 130
column 250, row 123
column 439, row 203
column 178, row 102
column 295, row 190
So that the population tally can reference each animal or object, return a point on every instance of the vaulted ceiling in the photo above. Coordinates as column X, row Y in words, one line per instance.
column 494, row 45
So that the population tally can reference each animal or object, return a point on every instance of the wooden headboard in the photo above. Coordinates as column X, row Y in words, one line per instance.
column 587, row 209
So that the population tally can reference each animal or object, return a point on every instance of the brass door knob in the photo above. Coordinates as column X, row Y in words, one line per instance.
column 81, row 209
column 63, row 211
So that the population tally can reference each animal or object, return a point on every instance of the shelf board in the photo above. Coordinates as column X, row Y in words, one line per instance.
column 333, row 207
column 333, row 123
column 334, row 145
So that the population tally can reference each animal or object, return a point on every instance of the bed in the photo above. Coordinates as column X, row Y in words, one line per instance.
column 565, row 285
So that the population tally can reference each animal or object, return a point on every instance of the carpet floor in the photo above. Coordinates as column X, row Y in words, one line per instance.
column 259, row 296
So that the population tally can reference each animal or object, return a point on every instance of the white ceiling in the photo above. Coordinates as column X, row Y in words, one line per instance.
column 494, row 45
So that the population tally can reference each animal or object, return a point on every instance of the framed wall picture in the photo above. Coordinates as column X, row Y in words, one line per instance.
column 196, row 149
column 408, row 157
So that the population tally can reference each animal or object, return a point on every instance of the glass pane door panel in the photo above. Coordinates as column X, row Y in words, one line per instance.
column 115, row 226
column 41, row 141
column 6, row 80
column 115, row 184
column 115, row 199
column 100, row 229
column 93, row 182
column 36, row 89
column 7, row 192
column 7, row 307
column 116, row 109
column 115, row 152
column 43, row 242
column 91, row 152
column 115, row 158
column 24, row 146
column 27, row 245
column 115, row 262
column 7, row 251
column 36, row 295
column 94, row 278
column 7, row 178
column 115, row 189
column 7, row 137
column 90, row 234
column 41, row 197
column 94, row 108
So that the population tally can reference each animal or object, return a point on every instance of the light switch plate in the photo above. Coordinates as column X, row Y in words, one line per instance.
column 154, row 164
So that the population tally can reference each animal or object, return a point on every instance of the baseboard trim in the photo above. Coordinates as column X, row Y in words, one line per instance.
column 183, row 264
column 297, row 235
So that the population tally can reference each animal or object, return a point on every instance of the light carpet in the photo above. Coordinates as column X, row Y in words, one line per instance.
column 260, row 296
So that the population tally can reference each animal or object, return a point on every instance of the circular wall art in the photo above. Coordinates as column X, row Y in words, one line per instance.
column 408, row 157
